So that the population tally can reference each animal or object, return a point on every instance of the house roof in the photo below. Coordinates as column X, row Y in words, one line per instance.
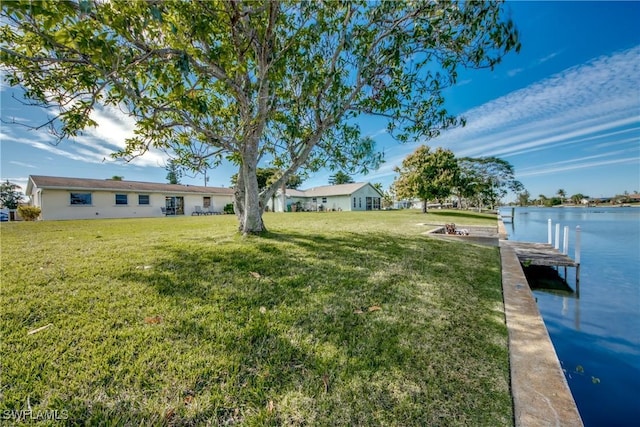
column 62, row 183
column 329, row 190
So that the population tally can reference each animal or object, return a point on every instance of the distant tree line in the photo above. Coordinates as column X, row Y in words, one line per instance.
column 435, row 175
column 560, row 197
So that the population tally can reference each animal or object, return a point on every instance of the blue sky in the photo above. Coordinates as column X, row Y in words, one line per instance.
column 565, row 112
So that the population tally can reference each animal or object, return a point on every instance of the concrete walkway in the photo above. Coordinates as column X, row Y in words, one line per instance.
column 541, row 395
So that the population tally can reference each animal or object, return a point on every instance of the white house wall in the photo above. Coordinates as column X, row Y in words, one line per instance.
column 361, row 197
column 336, row 203
column 55, row 204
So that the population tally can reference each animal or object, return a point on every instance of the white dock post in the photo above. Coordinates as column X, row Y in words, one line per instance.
column 577, row 259
column 557, row 245
column 565, row 241
column 577, row 256
column 549, row 231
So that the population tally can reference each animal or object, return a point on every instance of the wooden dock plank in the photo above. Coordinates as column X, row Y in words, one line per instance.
column 540, row 254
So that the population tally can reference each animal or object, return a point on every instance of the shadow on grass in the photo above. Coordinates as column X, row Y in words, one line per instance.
column 458, row 214
column 332, row 328
column 294, row 328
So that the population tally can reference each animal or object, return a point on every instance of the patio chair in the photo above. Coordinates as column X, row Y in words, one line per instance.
column 164, row 211
column 451, row 229
column 198, row 211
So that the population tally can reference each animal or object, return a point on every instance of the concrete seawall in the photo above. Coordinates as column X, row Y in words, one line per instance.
column 541, row 395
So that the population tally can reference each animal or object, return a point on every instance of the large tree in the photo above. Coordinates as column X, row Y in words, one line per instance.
column 266, row 176
column 486, row 179
column 340, row 178
column 426, row 175
column 524, row 198
column 256, row 81
column 174, row 172
column 561, row 194
column 10, row 195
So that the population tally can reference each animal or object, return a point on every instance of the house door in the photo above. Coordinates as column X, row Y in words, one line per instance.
column 174, row 205
column 369, row 203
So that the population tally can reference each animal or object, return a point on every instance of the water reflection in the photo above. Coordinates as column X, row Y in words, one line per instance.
column 599, row 331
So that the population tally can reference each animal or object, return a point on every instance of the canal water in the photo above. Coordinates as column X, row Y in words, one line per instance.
column 596, row 336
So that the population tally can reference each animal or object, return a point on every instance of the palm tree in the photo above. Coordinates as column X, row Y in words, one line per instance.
column 577, row 198
column 542, row 199
column 562, row 194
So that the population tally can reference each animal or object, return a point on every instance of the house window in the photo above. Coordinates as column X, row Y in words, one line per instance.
column 359, row 202
column 121, row 199
column 206, row 201
column 376, row 203
column 143, row 199
column 324, row 200
column 354, row 202
column 314, row 200
column 80, row 198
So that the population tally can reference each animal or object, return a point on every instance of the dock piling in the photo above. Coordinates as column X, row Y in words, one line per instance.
column 577, row 260
column 577, row 255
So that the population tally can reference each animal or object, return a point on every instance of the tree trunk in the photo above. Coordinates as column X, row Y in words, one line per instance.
column 238, row 200
column 247, row 198
column 424, row 206
column 284, row 197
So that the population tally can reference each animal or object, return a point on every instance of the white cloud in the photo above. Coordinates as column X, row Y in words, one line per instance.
column 597, row 97
column 113, row 126
column 590, row 107
column 19, row 181
column 94, row 145
column 21, row 164
column 548, row 57
column 379, row 132
column 514, row 72
column 555, row 168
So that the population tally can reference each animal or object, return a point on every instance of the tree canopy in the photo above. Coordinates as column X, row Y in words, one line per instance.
column 340, row 178
column 255, row 82
column 486, row 179
column 266, row 176
column 10, row 196
column 427, row 175
column 174, row 172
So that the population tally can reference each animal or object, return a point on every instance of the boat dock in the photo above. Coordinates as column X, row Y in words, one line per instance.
column 544, row 254
column 540, row 254
column 506, row 217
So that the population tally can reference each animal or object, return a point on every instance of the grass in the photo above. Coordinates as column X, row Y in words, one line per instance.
column 329, row 319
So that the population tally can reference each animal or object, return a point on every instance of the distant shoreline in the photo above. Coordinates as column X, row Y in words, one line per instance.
column 626, row 205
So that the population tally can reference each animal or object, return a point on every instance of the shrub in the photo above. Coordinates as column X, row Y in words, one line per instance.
column 29, row 213
column 228, row 209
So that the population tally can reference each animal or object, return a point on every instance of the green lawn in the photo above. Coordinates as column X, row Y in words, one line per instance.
column 335, row 318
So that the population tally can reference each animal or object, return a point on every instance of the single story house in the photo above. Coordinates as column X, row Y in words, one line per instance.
column 361, row 196
column 80, row 198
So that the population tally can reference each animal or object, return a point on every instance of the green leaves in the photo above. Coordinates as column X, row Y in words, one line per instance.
column 270, row 82
column 426, row 175
column 487, row 179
